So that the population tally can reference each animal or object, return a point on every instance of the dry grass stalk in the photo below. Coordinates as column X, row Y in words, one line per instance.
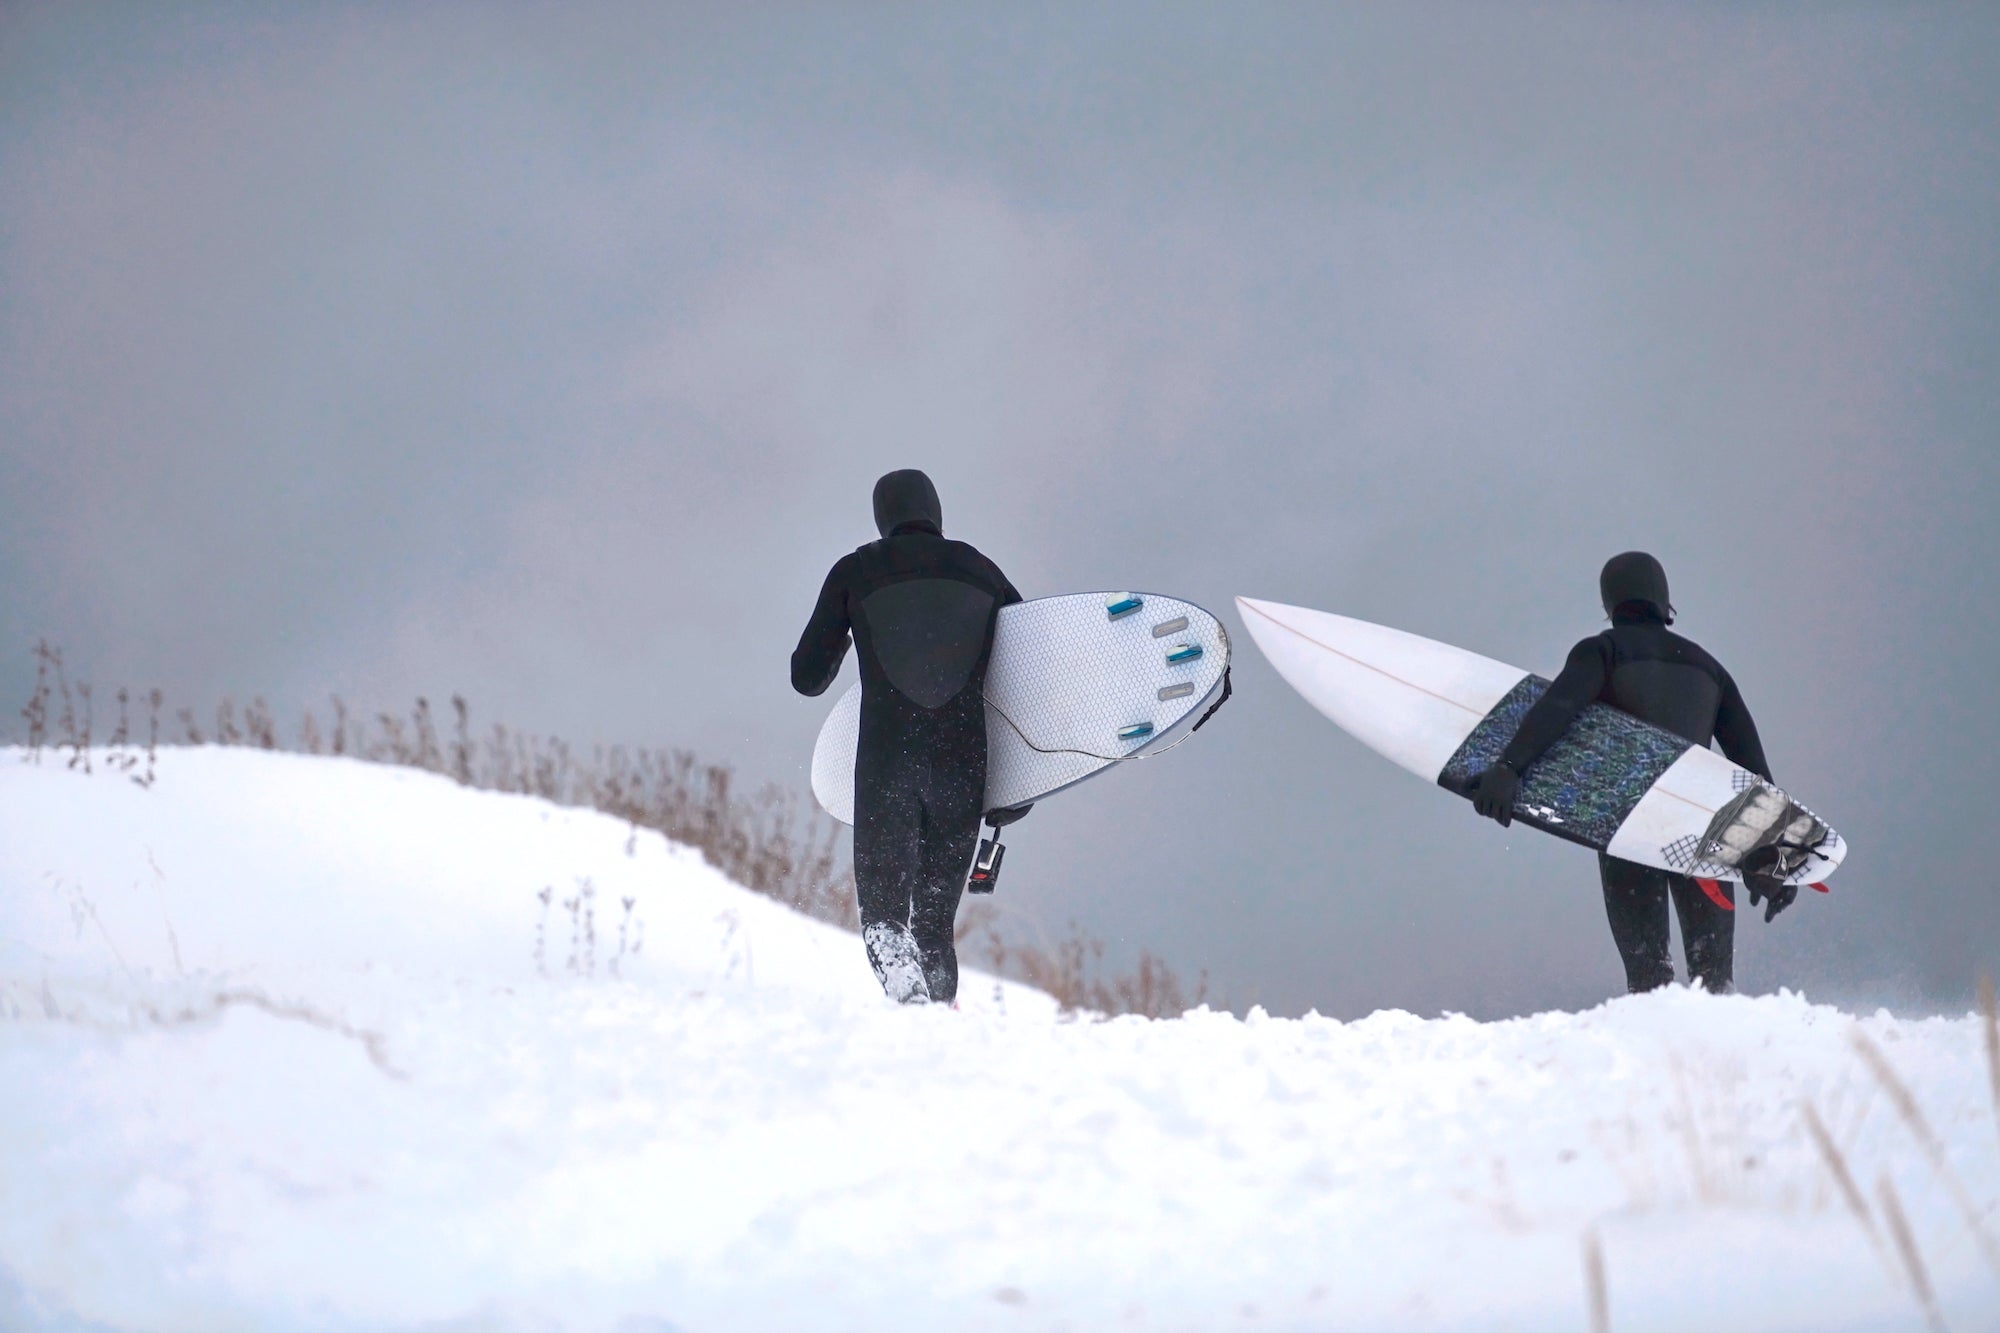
column 123, row 731
column 82, row 909
column 36, row 711
column 153, row 701
column 1906, row 1246
column 1707, row 1188
column 226, row 730
column 1595, row 1287
column 1836, row 1165
column 461, row 743
column 76, row 734
column 259, row 727
column 1071, row 972
column 372, row 1042
column 1920, row 1128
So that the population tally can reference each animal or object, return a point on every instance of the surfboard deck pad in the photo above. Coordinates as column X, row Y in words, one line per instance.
column 1611, row 782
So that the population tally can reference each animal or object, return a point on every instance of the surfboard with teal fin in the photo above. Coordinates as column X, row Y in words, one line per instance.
column 1076, row 685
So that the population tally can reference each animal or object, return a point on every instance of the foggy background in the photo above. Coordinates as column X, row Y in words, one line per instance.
column 548, row 354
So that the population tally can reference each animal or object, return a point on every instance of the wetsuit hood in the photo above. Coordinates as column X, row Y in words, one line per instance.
column 905, row 499
column 1635, row 577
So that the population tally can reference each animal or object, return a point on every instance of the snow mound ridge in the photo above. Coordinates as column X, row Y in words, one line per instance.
column 297, row 1043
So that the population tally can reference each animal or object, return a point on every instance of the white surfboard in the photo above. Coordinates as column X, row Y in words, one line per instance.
column 1076, row 685
column 1610, row 782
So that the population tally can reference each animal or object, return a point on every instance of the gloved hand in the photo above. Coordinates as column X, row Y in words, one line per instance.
column 1002, row 818
column 1780, row 893
column 1493, row 793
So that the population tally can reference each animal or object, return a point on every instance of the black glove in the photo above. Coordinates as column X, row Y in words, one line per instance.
column 1493, row 793
column 1002, row 818
column 1769, row 886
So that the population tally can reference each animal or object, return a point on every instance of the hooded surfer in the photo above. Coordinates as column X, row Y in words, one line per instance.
column 1645, row 669
column 920, row 610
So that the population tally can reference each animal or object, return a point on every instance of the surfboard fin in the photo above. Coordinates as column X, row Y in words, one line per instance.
column 1138, row 731
column 1762, row 830
column 1124, row 606
column 1183, row 652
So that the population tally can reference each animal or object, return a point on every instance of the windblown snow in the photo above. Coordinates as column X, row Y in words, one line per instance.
column 294, row 1042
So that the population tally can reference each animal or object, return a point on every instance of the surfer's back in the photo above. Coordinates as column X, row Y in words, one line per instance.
column 1641, row 667
column 920, row 607
column 923, row 608
column 1663, row 678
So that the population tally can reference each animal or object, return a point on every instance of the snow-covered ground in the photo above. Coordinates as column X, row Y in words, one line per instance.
column 276, row 1051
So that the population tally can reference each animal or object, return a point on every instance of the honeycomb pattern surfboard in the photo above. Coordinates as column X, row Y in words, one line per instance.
column 1076, row 685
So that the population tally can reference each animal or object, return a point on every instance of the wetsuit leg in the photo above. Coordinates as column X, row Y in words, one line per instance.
column 952, row 808
column 1708, row 933
column 888, row 831
column 1635, row 902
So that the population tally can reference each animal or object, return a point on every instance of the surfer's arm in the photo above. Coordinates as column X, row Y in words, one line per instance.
column 823, row 646
column 1736, row 731
column 1006, row 594
column 1579, row 683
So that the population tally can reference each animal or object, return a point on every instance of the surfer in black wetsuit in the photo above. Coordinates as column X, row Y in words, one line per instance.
column 1644, row 668
column 921, row 611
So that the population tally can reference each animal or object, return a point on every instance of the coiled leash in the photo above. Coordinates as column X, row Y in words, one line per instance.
column 1227, row 689
column 986, row 865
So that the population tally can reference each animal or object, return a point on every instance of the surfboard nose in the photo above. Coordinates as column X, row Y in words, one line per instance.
column 1261, row 618
column 1411, row 699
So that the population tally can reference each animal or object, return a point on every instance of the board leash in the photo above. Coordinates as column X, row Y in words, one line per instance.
column 984, row 876
column 1142, row 753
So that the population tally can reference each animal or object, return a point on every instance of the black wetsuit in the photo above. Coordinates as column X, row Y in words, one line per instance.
column 1647, row 670
column 921, row 610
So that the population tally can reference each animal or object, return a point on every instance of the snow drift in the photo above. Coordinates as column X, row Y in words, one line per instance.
column 298, row 1042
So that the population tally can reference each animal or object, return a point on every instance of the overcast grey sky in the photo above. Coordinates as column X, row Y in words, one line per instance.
column 548, row 354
